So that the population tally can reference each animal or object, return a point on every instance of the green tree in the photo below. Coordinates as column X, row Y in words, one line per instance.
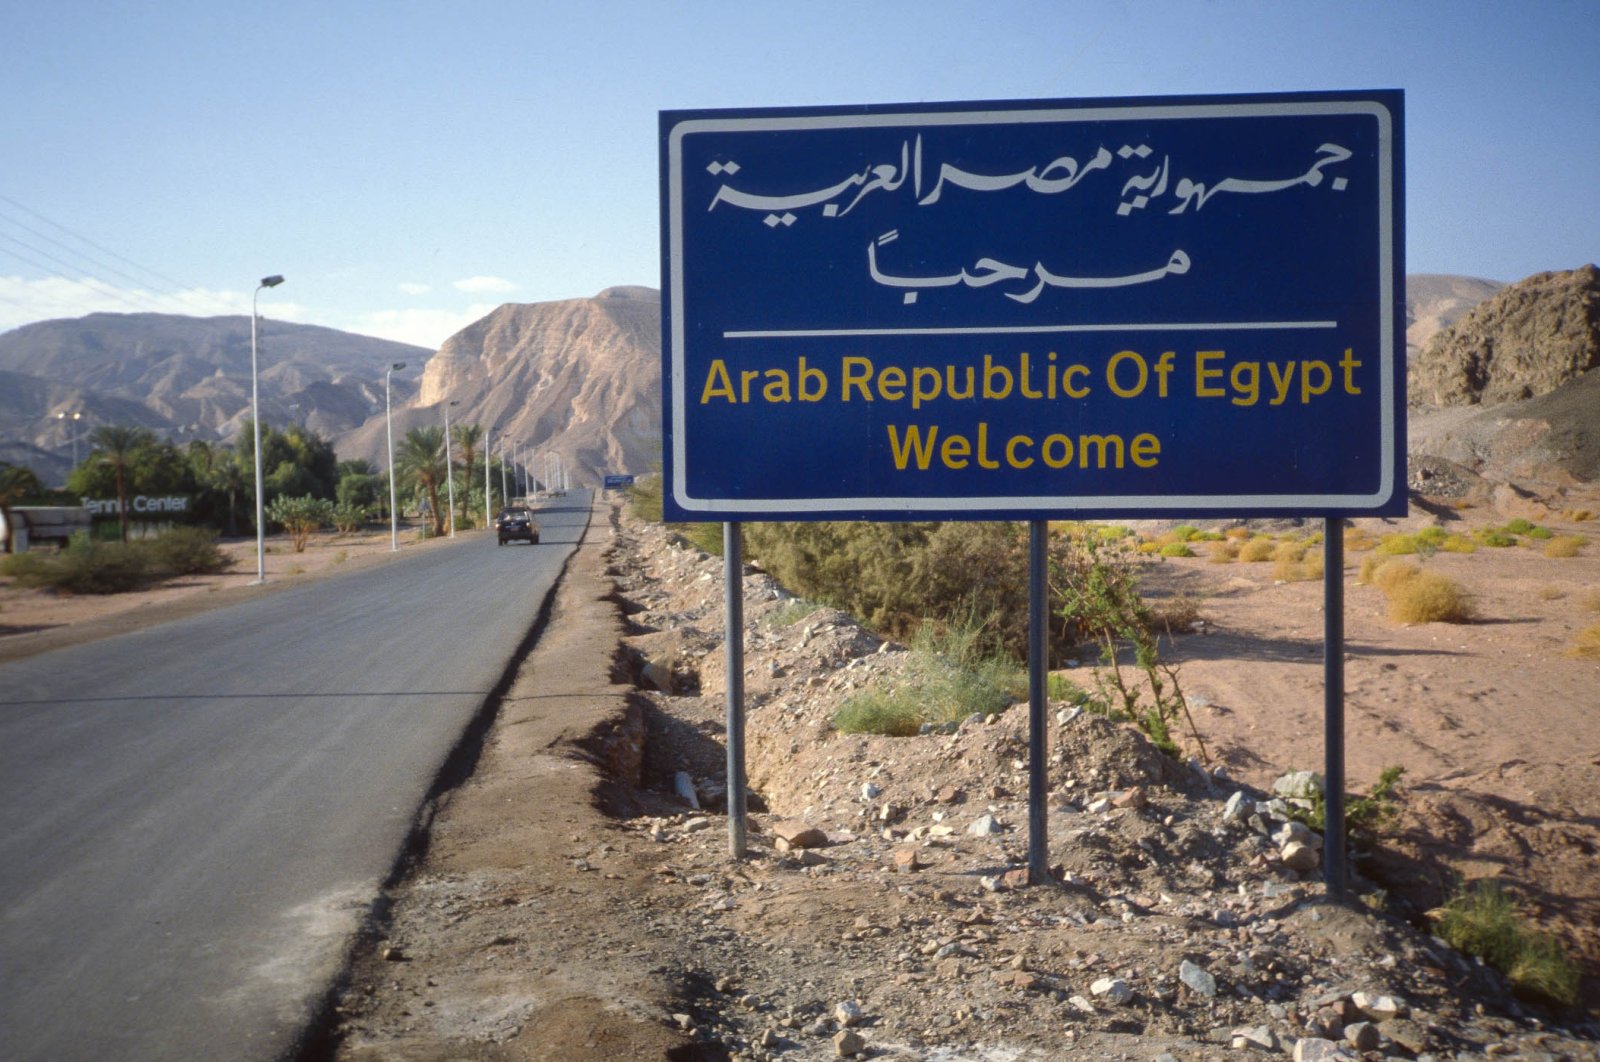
column 300, row 517
column 467, row 437
column 420, row 462
column 119, row 449
column 16, row 483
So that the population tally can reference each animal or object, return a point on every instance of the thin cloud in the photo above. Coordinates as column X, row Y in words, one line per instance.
column 24, row 301
column 411, row 288
column 423, row 328
column 484, row 286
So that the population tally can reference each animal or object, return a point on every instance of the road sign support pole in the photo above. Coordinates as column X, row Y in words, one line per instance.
column 733, row 623
column 1333, row 841
column 1038, row 688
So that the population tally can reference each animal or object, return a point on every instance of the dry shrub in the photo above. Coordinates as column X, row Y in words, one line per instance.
column 1298, row 571
column 1577, row 516
column 1357, row 540
column 1238, row 533
column 1564, row 546
column 1428, row 597
column 1257, row 550
column 1551, row 593
column 1177, row 613
column 1586, row 646
column 1289, row 551
column 1224, row 552
column 1589, row 601
column 1387, row 575
column 1458, row 544
column 1397, row 545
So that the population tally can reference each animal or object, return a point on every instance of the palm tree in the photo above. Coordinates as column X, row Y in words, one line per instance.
column 421, row 463
column 467, row 438
column 16, row 483
column 232, row 475
column 119, row 448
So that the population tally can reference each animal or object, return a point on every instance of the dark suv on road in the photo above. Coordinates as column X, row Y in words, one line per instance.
column 517, row 523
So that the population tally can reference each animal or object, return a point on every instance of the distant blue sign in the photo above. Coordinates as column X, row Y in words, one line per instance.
column 617, row 482
column 1187, row 306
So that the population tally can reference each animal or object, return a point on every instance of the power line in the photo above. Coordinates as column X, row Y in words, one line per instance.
column 178, row 286
column 52, row 241
column 109, row 290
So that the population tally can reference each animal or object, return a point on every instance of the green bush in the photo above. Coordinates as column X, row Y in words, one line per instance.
column 300, row 517
column 84, row 567
column 186, row 551
column 1177, row 549
column 348, row 517
column 1481, row 920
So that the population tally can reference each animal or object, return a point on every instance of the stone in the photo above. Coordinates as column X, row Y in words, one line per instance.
column 1298, row 785
column 848, row 1013
column 1113, row 990
column 1408, row 1034
column 1236, row 808
column 1020, row 979
column 985, row 826
column 1294, row 830
column 1197, row 979
column 1081, row 1005
column 696, row 824
column 1377, row 1007
column 1362, row 1035
column 1297, row 856
column 906, row 860
column 1260, row 1036
column 658, row 675
column 1316, row 1049
column 799, row 834
column 1130, row 798
column 849, row 1044
column 949, row 795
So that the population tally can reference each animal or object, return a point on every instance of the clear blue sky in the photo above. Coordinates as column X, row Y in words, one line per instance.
column 409, row 166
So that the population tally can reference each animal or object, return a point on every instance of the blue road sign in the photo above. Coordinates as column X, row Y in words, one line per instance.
column 1131, row 307
column 616, row 481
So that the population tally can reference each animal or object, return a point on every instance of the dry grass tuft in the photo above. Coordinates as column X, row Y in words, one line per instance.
column 1551, row 593
column 1590, row 601
column 1564, row 546
column 1257, row 550
column 1586, row 646
column 1307, row 568
column 1224, row 552
column 1428, row 597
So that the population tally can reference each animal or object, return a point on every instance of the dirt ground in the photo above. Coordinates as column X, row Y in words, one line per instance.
column 569, row 904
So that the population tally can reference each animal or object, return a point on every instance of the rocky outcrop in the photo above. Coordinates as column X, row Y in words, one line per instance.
column 1526, row 341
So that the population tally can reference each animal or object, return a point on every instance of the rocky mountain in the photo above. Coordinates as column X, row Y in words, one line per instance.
column 1527, row 340
column 579, row 377
column 1434, row 301
column 183, row 377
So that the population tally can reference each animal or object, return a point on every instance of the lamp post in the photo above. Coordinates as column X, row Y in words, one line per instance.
column 449, row 467
column 488, row 437
column 76, row 416
column 388, row 420
column 504, row 496
column 255, row 414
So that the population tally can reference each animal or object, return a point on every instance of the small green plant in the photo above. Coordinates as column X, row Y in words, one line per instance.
column 949, row 679
column 1519, row 526
column 1177, row 549
column 300, row 517
column 1364, row 816
column 1482, row 920
column 186, row 551
column 348, row 517
column 1494, row 537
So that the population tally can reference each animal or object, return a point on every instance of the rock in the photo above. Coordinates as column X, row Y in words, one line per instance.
column 1298, row 785
column 1297, row 831
column 985, row 826
column 1197, row 979
column 848, row 1013
column 869, row 791
column 696, row 824
column 1020, row 979
column 1113, row 990
column 1362, row 1035
column 849, row 1044
column 1259, row 1036
column 949, row 795
column 658, row 675
column 394, row 954
column 1297, row 856
column 1081, row 1005
column 1408, row 1034
column 907, row 860
column 799, row 834
column 683, row 785
column 1377, row 1007
column 1130, row 798
column 1315, row 1049
column 1236, row 808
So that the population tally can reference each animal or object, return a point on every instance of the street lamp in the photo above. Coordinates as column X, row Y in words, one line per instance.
column 488, row 436
column 388, row 420
column 504, row 496
column 255, row 413
column 76, row 416
column 449, row 467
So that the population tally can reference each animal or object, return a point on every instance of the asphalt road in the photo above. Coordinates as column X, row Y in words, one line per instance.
column 195, row 818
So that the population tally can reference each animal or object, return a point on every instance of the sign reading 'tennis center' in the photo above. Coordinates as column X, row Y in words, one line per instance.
column 1130, row 307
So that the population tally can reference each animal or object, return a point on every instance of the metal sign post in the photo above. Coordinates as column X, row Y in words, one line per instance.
column 733, row 627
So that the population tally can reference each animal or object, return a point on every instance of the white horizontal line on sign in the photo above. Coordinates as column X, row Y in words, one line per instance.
column 1177, row 326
